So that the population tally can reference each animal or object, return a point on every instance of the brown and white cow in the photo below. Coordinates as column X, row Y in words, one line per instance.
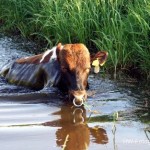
column 64, row 66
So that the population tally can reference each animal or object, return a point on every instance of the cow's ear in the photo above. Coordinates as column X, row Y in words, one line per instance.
column 58, row 49
column 98, row 60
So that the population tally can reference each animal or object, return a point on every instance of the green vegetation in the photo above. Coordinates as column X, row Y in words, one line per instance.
column 122, row 27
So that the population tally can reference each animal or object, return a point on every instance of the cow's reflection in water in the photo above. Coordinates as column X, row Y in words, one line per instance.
column 73, row 125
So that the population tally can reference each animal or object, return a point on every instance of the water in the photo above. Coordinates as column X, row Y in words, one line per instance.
column 42, row 120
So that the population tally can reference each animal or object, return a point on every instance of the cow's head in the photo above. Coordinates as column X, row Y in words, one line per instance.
column 75, row 65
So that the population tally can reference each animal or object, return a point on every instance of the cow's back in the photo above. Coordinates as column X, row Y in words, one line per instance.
column 35, row 72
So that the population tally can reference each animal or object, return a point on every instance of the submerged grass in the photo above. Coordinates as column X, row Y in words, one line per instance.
column 122, row 27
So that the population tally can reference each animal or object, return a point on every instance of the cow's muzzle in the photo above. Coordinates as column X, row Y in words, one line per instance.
column 78, row 97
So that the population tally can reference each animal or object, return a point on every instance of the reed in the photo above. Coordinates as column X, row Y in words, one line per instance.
column 122, row 27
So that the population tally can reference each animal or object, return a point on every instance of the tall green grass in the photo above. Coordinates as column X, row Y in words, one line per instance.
column 122, row 27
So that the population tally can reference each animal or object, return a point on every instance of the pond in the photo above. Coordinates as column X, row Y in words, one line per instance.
column 115, row 117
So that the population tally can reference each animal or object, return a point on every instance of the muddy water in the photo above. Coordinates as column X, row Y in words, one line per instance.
column 116, row 115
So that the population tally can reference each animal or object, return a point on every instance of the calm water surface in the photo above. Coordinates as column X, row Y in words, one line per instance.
column 115, row 117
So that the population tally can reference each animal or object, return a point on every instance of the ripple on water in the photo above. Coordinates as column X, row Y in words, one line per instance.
column 25, row 114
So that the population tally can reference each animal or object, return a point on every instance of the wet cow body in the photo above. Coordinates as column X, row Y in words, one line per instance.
column 64, row 66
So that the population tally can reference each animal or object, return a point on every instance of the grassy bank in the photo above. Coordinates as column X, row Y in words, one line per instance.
column 122, row 27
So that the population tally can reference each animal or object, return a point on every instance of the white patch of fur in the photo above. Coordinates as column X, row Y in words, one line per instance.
column 54, row 55
column 48, row 52
column 26, row 57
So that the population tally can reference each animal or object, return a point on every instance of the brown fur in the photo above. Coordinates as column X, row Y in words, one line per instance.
column 75, row 66
column 101, row 56
column 74, row 56
column 34, row 59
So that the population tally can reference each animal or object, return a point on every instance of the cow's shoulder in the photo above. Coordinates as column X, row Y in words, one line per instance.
column 40, row 58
